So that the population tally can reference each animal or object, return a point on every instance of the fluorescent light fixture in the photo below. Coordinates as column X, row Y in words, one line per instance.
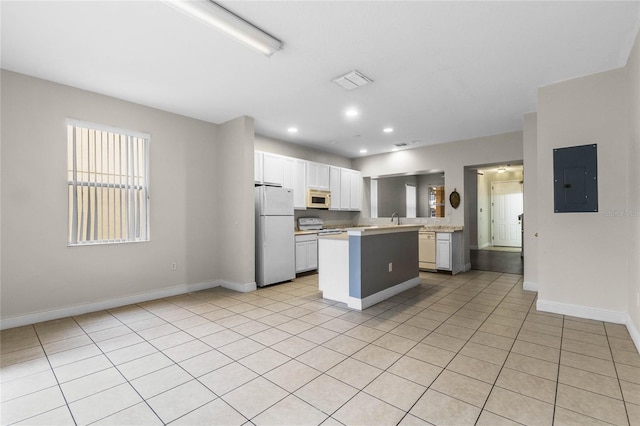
column 388, row 130
column 395, row 148
column 351, row 112
column 501, row 170
column 230, row 24
column 292, row 130
column 363, row 151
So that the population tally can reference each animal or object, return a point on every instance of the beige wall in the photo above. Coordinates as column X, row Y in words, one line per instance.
column 529, row 239
column 236, row 214
column 583, row 257
column 450, row 158
column 275, row 146
column 483, row 218
column 633, row 218
column 39, row 272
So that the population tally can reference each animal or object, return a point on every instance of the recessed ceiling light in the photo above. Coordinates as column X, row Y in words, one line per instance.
column 351, row 112
column 292, row 130
column 395, row 148
column 363, row 151
column 387, row 129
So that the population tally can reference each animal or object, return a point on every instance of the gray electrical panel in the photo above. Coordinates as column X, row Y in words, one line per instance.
column 575, row 179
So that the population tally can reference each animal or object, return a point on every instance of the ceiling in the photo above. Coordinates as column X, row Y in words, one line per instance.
column 441, row 71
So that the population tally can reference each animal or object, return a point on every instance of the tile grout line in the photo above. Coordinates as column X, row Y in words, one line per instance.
column 458, row 352
column 555, row 397
column 515, row 339
column 615, row 367
column 64, row 397
column 119, row 372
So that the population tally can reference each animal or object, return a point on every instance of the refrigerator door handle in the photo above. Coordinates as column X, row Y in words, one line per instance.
column 263, row 194
column 264, row 233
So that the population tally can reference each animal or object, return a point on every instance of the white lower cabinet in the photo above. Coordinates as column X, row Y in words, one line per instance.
column 449, row 251
column 443, row 253
column 306, row 252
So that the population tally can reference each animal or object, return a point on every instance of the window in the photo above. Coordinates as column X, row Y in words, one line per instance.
column 411, row 197
column 108, row 181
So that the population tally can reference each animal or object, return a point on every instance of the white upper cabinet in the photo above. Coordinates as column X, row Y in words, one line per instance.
column 295, row 177
column 272, row 169
column 346, row 189
column 334, row 187
column 317, row 175
column 345, row 184
column 356, row 191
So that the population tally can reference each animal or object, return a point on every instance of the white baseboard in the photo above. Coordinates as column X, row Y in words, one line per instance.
column 530, row 286
column 617, row 317
column 378, row 297
column 634, row 332
column 484, row 246
column 241, row 287
column 68, row 311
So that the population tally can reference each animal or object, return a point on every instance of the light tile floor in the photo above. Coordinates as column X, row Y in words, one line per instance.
column 456, row 350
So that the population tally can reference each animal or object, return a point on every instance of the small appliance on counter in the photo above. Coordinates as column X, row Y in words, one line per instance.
column 316, row 224
column 275, row 240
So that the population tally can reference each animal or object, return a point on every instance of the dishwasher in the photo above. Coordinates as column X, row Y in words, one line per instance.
column 427, row 250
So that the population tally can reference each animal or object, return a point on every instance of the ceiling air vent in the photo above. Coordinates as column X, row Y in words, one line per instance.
column 400, row 145
column 352, row 80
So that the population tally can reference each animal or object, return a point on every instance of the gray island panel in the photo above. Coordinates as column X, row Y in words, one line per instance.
column 369, row 259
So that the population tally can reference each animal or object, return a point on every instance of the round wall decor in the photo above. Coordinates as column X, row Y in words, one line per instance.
column 454, row 199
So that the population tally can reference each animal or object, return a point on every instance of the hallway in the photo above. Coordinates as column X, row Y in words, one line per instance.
column 497, row 261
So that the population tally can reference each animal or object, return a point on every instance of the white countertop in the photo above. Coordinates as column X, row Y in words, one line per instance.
column 383, row 229
column 442, row 228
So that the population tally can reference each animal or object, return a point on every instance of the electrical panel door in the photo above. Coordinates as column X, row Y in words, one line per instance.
column 575, row 179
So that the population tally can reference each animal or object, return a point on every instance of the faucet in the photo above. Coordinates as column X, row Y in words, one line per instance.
column 395, row 215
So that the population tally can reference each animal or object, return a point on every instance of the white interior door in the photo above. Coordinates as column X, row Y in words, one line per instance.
column 506, row 205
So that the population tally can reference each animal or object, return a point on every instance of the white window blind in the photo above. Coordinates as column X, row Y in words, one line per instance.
column 108, row 184
column 411, row 200
column 374, row 198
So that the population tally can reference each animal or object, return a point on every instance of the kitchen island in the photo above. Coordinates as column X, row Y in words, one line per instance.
column 367, row 265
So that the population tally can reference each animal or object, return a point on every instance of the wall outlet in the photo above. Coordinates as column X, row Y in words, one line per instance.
column 174, row 266
column 390, row 266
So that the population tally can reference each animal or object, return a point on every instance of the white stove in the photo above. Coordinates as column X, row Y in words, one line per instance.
column 316, row 224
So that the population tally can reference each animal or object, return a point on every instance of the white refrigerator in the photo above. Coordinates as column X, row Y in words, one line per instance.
column 275, row 240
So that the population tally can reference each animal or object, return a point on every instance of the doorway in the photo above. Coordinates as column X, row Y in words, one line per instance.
column 506, row 207
column 480, row 217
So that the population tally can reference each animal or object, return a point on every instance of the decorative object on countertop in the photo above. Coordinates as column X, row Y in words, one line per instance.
column 454, row 199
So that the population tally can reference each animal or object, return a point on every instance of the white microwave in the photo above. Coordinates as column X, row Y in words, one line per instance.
column 318, row 199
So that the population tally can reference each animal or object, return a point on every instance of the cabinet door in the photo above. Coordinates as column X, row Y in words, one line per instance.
column 272, row 169
column 299, row 184
column 301, row 256
column 345, row 189
column 334, row 186
column 287, row 173
column 443, row 255
column 317, row 175
column 356, row 190
column 312, row 254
